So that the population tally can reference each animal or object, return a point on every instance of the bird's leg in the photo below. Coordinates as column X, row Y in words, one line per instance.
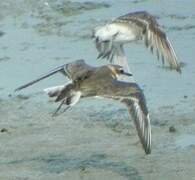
column 63, row 95
column 68, row 107
column 65, row 92
column 68, row 96
column 59, row 107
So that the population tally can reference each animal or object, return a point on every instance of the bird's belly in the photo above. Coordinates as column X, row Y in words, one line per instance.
column 125, row 38
column 88, row 92
column 125, row 34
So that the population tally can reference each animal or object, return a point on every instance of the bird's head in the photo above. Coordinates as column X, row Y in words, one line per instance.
column 117, row 70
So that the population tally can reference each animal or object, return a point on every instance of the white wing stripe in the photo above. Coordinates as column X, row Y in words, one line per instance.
column 141, row 120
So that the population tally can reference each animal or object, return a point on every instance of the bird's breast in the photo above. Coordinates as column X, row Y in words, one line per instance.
column 125, row 33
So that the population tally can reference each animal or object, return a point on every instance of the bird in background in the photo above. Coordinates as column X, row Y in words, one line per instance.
column 111, row 37
column 88, row 81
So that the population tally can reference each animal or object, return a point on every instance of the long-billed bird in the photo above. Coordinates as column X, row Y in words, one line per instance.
column 88, row 81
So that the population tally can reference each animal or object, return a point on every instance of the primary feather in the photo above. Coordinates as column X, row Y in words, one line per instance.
column 110, row 38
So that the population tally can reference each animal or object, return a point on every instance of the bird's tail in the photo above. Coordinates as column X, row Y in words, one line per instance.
column 64, row 94
column 54, row 90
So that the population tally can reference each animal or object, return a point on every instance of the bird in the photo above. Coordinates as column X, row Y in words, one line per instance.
column 140, row 25
column 89, row 81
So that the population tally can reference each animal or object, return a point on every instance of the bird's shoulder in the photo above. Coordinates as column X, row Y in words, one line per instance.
column 138, row 17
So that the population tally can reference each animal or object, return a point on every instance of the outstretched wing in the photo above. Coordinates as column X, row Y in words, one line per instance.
column 138, row 110
column 153, row 36
column 78, row 69
column 134, row 26
column 73, row 71
column 50, row 73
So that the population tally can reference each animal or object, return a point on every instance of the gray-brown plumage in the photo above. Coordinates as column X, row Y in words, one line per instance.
column 88, row 81
column 110, row 38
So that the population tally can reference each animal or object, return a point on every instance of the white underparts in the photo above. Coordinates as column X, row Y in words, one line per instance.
column 75, row 98
column 53, row 89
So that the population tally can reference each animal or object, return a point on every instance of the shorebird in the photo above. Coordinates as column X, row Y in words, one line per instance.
column 88, row 81
column 110, row 39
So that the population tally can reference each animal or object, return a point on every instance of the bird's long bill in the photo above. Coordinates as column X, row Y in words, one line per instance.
column 127, row 74
column 50, row 73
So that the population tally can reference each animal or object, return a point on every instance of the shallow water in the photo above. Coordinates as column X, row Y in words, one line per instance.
column 94, row 139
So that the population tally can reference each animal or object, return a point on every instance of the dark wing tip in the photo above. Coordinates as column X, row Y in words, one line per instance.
column 58, row 69
column 138, row 111
column 17, row 89
column 148, row 151
column 26, row 85
column 178, row 69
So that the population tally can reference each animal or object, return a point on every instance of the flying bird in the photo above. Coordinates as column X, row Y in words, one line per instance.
column 88, row 81
column 110, row 39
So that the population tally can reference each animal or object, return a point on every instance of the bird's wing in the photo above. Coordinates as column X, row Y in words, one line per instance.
column 143, row 26
column 138, row 110
column 78, row 69
column 50, row 73
column 154, row 37
column 72, row 71
column 106, row 48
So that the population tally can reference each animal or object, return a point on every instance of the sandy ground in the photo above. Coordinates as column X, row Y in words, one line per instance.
column 91, row 145
column 94, row 140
